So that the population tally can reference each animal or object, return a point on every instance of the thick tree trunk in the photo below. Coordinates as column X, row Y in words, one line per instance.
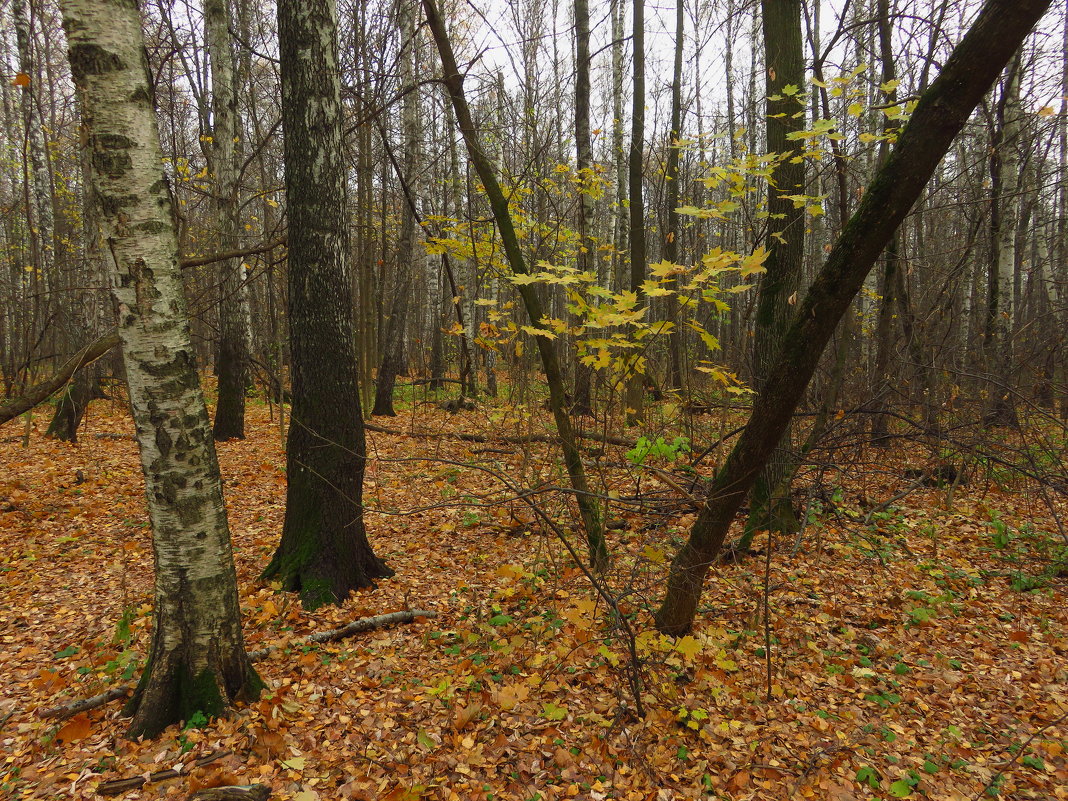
column 324, row 553
column 234, row 346
column 589, row 509
column 770, row 505
column 197, row 660
column 941, row 113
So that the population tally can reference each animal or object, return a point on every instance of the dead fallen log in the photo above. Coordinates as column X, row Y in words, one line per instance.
column 117, row 786
column 355, row 627
column 67, row 710
column 43, row 390
column 245, row 792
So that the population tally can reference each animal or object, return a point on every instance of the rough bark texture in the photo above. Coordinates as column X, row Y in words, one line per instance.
column 941, row 113
column 324, row 553
column 770, row 506
column 587, row 503
column 233, row 305
column 197, row 660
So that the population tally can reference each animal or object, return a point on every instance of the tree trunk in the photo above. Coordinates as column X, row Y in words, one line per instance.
column 884, row 332
column 589, row 509
column 1005, row 203
column 671, row 194
column 411, row 249
column 197, row 660
column 324, row 553
column 784, row 66
column 234, row 346
column 634, row 393
column 585, row 259
column 939, row 116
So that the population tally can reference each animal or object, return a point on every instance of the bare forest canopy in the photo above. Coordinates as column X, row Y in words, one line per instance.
column 532, row 400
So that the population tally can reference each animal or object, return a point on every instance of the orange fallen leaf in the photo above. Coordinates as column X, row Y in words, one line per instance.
column 77, row 728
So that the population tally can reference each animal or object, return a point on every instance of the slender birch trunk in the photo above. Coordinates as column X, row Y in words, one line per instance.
column 234, row 345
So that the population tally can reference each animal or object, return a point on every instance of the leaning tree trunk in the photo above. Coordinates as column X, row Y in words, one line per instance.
column 197, row 660
column 234, row 346
column 589, row 509
column 939, row 116
column 784, row 65
column 324, row 553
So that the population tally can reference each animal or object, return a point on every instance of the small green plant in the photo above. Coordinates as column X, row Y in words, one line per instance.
column 659, row 449
column 869, row 776
column 1000, row 533
column 198, row 720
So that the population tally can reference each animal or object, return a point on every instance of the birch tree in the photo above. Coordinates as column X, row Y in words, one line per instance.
column 197, row 660
column 233, row 305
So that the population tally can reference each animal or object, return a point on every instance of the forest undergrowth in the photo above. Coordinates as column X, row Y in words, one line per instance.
column 905, row 644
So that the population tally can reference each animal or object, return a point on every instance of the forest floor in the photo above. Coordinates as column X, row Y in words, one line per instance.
column 917, row 650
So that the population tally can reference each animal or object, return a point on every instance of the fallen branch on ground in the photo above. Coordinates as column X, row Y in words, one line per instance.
column 64, row 711
column 117, row 786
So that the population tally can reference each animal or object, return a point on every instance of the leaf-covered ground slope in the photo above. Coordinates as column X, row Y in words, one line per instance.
column 917, row 650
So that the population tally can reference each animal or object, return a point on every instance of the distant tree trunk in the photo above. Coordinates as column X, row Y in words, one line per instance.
column 324, row 553
column 410, row 240
column 884, row 332
column 939, row 116
column 770, row 504
column 1005, row 204
column 197, row 660
column 634, row 393
column 619, row 239
column 671, row 194
column 39, row 210
column 234, row 345
column 585, row 260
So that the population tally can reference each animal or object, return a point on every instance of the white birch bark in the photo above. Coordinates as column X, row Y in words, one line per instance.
column 197, row 660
